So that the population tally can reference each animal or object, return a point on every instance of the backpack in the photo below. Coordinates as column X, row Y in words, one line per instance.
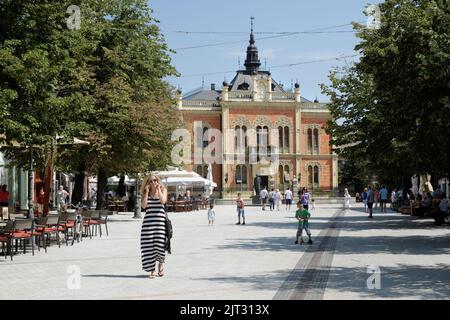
column 169, row 234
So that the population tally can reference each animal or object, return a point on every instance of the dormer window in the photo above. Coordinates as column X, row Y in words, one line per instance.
column 243, row 86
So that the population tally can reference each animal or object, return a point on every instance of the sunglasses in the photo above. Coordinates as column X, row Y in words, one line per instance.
column 154, row 180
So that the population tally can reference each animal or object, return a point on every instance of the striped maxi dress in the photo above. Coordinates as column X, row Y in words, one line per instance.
column 153, row 235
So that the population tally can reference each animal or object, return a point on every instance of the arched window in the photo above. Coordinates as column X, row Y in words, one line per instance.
column 310, row 140
column 287, row 174
column 238, row 175
column 265, row 136
column 244, row 133
column 244, row 174
column 280, row 138
column 205, row 137
column 316, row 140
column 310, row 176
column 286, row 138
column 316, row 176
column 237, row 138
column 280, row 174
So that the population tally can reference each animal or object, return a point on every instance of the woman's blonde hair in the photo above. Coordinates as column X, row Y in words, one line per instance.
column 146, row 181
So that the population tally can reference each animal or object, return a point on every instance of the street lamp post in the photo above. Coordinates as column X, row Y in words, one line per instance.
column 30, row 185
column 137, row 206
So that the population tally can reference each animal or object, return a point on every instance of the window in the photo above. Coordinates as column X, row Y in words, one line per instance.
column 238, row 175
column 316, row 140
column 243, row 86
column 280, row 138
column 316, row 176
column 310, row 176
column 287, row 174
column 280, row 174
column 205, row 137
column 313, row 176
column 244, row 132
column 309, row 138
column 237, row 138
column 286, row 139
column 244, row 174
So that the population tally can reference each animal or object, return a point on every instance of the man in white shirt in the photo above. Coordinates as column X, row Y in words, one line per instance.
column 288, row 198
column 264, row 195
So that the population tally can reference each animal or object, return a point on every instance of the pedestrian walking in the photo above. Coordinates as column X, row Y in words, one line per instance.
column 383, row 198
column 211, row 214
column 364, row 197
column 305, row 199
column 288, row 199
column 264, row 194
column 302, row 215
column 277, row 199
column 240, row 209
column 153, row 232
column 61, row 199
column 370, row 201
column 376, row 194
column 272, row 200
column 347, row 198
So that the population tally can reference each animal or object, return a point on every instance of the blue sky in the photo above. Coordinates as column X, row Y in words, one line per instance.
column 270, row 16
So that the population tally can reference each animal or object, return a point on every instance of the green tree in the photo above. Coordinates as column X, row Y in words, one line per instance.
column 392, row 107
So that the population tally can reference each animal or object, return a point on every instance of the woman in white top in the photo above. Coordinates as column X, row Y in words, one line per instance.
column 347, row 198
column 277, row 199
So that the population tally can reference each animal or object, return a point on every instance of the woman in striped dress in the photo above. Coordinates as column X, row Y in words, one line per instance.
column 153, row 232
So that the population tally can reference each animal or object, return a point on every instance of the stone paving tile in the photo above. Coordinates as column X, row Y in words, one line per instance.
column 226, row 261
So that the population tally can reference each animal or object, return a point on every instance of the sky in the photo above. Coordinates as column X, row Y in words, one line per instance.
column 231, row 22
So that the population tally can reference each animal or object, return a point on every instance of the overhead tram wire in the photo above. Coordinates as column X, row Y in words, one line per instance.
column 277, row 35
column 277, row 66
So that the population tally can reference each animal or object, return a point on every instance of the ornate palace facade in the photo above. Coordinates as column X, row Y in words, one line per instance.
column 266, row 122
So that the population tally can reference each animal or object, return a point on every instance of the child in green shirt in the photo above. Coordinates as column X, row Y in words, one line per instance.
column 302, row 215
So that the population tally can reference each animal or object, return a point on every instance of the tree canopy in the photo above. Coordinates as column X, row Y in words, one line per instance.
column 391, row 109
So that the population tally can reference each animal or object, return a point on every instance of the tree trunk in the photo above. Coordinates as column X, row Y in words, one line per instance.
column 121, row 187
column 48, row 181
column 102, row 181
column 78, row 189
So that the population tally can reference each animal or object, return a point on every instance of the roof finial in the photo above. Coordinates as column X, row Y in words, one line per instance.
column 203, row 81
column 251, row 22
column 239, row 62
column 265, row 63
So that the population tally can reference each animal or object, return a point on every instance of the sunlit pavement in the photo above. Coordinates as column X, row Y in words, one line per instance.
column 258, row 260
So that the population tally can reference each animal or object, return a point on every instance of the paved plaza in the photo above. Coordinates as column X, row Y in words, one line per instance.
column 258, row 260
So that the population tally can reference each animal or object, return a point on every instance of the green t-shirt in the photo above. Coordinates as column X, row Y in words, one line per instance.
column 304, row 215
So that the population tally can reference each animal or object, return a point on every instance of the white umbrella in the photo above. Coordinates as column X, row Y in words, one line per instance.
column 414, row 182
column 209, row 177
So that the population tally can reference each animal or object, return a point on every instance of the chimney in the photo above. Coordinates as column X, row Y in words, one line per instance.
column 213, row 86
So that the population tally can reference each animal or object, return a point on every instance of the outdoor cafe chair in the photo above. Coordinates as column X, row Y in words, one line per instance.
column 49, row 225
column 103, row 220
column 23, row 231
column 68, row 222
column 88, row 222
column 5, row 237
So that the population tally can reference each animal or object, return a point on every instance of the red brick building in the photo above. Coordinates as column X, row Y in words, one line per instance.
column 257, row 116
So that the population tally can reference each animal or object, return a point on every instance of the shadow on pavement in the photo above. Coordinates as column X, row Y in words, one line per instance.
column 404, row 281
column 114, row 276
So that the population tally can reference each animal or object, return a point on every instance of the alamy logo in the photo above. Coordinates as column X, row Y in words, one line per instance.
column 74, row 279
column 374, row 280
column 374, row 16
column 74, row 21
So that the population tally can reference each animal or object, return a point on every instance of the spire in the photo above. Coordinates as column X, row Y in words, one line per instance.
column 252, row 62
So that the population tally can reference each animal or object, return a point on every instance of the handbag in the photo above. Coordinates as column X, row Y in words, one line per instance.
column 169, row 234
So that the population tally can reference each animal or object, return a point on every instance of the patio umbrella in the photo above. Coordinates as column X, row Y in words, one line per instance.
column 209, row 177
column 414, row 182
